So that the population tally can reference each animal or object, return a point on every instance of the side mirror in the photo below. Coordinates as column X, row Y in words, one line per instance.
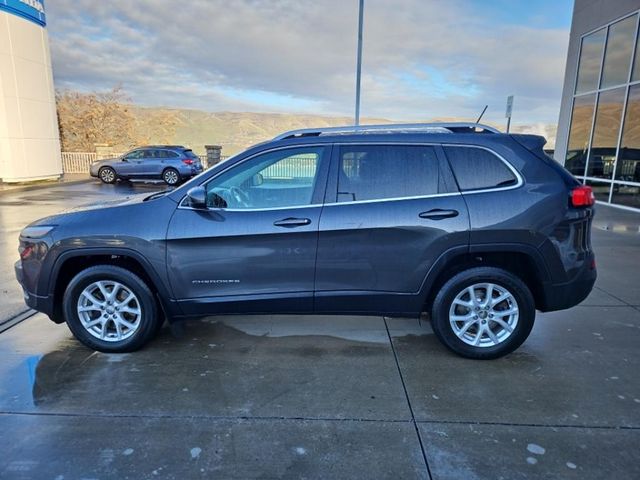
column 197, row 197
column 124, row 159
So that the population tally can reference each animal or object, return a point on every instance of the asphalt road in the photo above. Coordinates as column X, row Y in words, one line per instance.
column 326, row 397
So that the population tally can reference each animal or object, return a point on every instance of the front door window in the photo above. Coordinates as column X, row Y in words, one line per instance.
column 277, row 179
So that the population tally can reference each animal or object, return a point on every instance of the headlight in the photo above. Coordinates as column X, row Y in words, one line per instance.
column 37, row 231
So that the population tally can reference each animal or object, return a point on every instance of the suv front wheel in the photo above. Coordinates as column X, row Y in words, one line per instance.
column 483, row 313
column 107, row 175
column 110, row 309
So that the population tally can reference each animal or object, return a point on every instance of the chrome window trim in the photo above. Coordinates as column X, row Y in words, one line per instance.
column 519, row 183
column 394, row 199
column 268, row 209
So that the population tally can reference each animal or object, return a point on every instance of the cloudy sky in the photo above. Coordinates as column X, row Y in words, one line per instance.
column 421, row 58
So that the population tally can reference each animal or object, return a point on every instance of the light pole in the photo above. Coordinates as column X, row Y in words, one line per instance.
column 359, row 63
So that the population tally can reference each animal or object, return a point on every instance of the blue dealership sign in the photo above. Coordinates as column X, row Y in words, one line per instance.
column 32, row 10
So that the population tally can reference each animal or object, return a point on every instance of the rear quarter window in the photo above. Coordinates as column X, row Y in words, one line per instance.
column 479, row 169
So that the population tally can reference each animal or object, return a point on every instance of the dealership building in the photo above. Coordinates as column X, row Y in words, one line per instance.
column 598, row 136
column 29, row 138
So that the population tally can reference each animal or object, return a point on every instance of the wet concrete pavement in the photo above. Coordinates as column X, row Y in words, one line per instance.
column 20, row 207
column 332, row 397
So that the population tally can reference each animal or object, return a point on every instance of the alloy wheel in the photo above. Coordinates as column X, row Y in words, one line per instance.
column 171, row 177
column 484, row 314
column 107, row 175
column 109, row 311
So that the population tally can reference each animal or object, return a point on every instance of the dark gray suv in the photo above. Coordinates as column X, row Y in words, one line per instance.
column 478, row 228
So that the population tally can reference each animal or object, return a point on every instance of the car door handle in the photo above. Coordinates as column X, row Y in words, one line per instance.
column 292, row 222
column 438, row 214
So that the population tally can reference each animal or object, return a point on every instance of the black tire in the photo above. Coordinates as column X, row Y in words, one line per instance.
column 457, row 284
column 150, row 317
column 107, row 175
column 171, row 176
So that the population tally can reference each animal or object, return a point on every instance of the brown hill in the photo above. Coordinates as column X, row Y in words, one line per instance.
column 237, row 131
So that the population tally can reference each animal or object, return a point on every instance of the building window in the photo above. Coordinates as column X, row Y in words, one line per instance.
column 602, row 155
column 600, row 189
column 603, row 147
column 636, row 64
column 617, row 56
column 590, row 58
column 628, row 166
column 581, row 119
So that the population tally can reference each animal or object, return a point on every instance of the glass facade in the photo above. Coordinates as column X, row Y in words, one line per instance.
column 604, row 136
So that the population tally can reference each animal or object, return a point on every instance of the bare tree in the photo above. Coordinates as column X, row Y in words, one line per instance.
column 109, row 117
column 98, row 117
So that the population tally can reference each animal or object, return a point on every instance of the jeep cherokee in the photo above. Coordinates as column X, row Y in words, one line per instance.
column 476, row 227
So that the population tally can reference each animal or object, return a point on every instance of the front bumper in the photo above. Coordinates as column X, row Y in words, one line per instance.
column 560, row 296
column 39, row 303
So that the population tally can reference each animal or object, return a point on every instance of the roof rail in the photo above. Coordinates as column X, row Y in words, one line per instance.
column 440, row 127
column 162, row 146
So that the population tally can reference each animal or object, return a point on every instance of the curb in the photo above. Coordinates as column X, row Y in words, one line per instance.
column 39, row 186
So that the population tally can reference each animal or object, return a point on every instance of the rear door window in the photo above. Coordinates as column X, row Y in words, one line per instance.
column 479, row 169
column 378, row 172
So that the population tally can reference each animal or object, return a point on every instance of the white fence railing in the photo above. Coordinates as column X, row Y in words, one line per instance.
column 79, row 162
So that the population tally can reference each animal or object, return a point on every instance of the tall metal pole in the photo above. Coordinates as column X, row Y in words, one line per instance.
column 359, row 63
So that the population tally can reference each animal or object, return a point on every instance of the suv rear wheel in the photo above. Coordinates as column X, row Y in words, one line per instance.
column 110, row 309
column 483, row 313
column 171, row 176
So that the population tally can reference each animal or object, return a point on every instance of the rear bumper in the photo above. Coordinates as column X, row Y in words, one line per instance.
column 560, row 296
column 189, row 171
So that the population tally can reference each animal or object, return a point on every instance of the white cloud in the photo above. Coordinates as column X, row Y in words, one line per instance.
column 422, row 58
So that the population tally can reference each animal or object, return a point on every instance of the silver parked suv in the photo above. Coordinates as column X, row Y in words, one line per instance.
column 171, row 163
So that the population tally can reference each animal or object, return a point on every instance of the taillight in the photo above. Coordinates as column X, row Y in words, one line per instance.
column 187, row 161
column 582, row 196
